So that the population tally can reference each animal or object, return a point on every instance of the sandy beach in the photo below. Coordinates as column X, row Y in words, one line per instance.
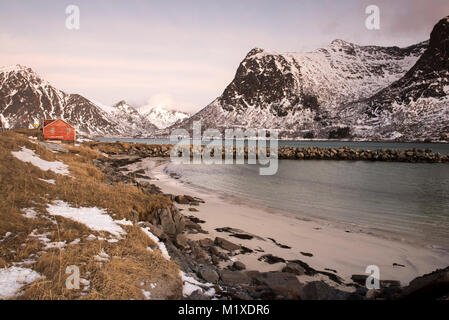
column 317, row 243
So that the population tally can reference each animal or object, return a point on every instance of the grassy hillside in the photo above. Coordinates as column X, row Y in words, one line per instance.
column 124, row 267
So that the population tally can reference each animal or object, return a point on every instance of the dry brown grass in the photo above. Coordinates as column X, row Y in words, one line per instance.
column 131, row 262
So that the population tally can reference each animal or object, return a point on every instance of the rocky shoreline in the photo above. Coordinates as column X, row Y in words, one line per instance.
column 415, row 155
column 215, row 260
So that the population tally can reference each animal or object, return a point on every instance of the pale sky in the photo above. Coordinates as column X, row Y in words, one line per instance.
column 182, row 54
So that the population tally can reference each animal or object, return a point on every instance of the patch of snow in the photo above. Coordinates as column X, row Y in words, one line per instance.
column 190, row 285
column 94, row 218
column 13, row 279
column 160, row 244
column 27, row 155
column 124, row 222
column 59, row 245
column 76, row 241
column 91, row 238
column 30, row 213
column 50, row 181
column 102, row 257
column 147, row 294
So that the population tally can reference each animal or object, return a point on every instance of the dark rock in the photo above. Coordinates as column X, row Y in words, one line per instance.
column 200, row 254
column 196, row 220
column 294, row 268
column 270, row 259
column 206, row 242
column 225, row 244
column 209, row 274
column 198, row 295
column 430, row 286
column 234, row 277
column 285, row 283
column 319, row 290
column 171, row 221
column 181, row 242
column 193, row 209
column 306, row 254
column 238, row 266
column 398, row 265
column 242, row 236
column 181, row 200
column 283, row 246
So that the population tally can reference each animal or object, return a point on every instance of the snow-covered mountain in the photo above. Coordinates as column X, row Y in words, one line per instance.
column 163, row 118
column 341, row 91
column 415, row 106
column 25, row 99
column 300, row 93
column 131, row 120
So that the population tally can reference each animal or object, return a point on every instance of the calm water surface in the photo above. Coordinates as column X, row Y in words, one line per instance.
column 401, row 200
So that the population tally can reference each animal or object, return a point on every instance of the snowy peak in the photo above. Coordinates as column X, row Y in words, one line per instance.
column 163, row 118
column 123, row 107
column 26, row 99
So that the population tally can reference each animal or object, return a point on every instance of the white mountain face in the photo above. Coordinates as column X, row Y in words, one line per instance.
column 415, row 106
column 163, row 118
column 301, row 93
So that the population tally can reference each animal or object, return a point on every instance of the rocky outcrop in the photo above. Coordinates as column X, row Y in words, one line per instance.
column 431, row 286
column 171, row 221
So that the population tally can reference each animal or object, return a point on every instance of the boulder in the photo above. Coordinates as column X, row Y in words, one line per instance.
column 182, row 200
column 226, row 245
column 209, row 274
column 206, row 242
column 319, row 290
column 270, row 259
column 171, row 221
column 238, row 266
column 430, row 286
column 181, row 241
column 285, row 283
column 234, row 278
column 294, row 268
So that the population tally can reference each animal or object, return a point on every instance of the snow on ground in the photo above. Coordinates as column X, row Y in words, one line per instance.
column 94, row 218
column 30, row 213
column 50, row 181
column 190, row 285
column 46, row 241
column 27, row 155
column 13, row 279
column 147, row 294
column 160, row 244
column 102, row 256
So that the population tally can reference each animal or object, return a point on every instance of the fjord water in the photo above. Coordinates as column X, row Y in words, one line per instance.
column 402, row 201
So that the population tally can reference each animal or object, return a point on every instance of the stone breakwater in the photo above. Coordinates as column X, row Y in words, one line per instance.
column 414, row 155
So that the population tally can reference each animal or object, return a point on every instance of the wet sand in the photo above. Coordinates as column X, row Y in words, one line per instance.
column 331, row 248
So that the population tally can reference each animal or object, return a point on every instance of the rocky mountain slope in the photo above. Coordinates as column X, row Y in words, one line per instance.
column 417, row 105
column 298, row 92
column 25, row 99
column 341, row 91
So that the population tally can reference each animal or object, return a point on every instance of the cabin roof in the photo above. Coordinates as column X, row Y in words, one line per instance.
column 54, row 121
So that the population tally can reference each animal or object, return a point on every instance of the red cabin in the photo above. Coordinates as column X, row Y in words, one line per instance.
column 58, row 130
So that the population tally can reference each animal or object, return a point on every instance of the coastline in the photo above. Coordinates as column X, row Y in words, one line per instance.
column 333, row 248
